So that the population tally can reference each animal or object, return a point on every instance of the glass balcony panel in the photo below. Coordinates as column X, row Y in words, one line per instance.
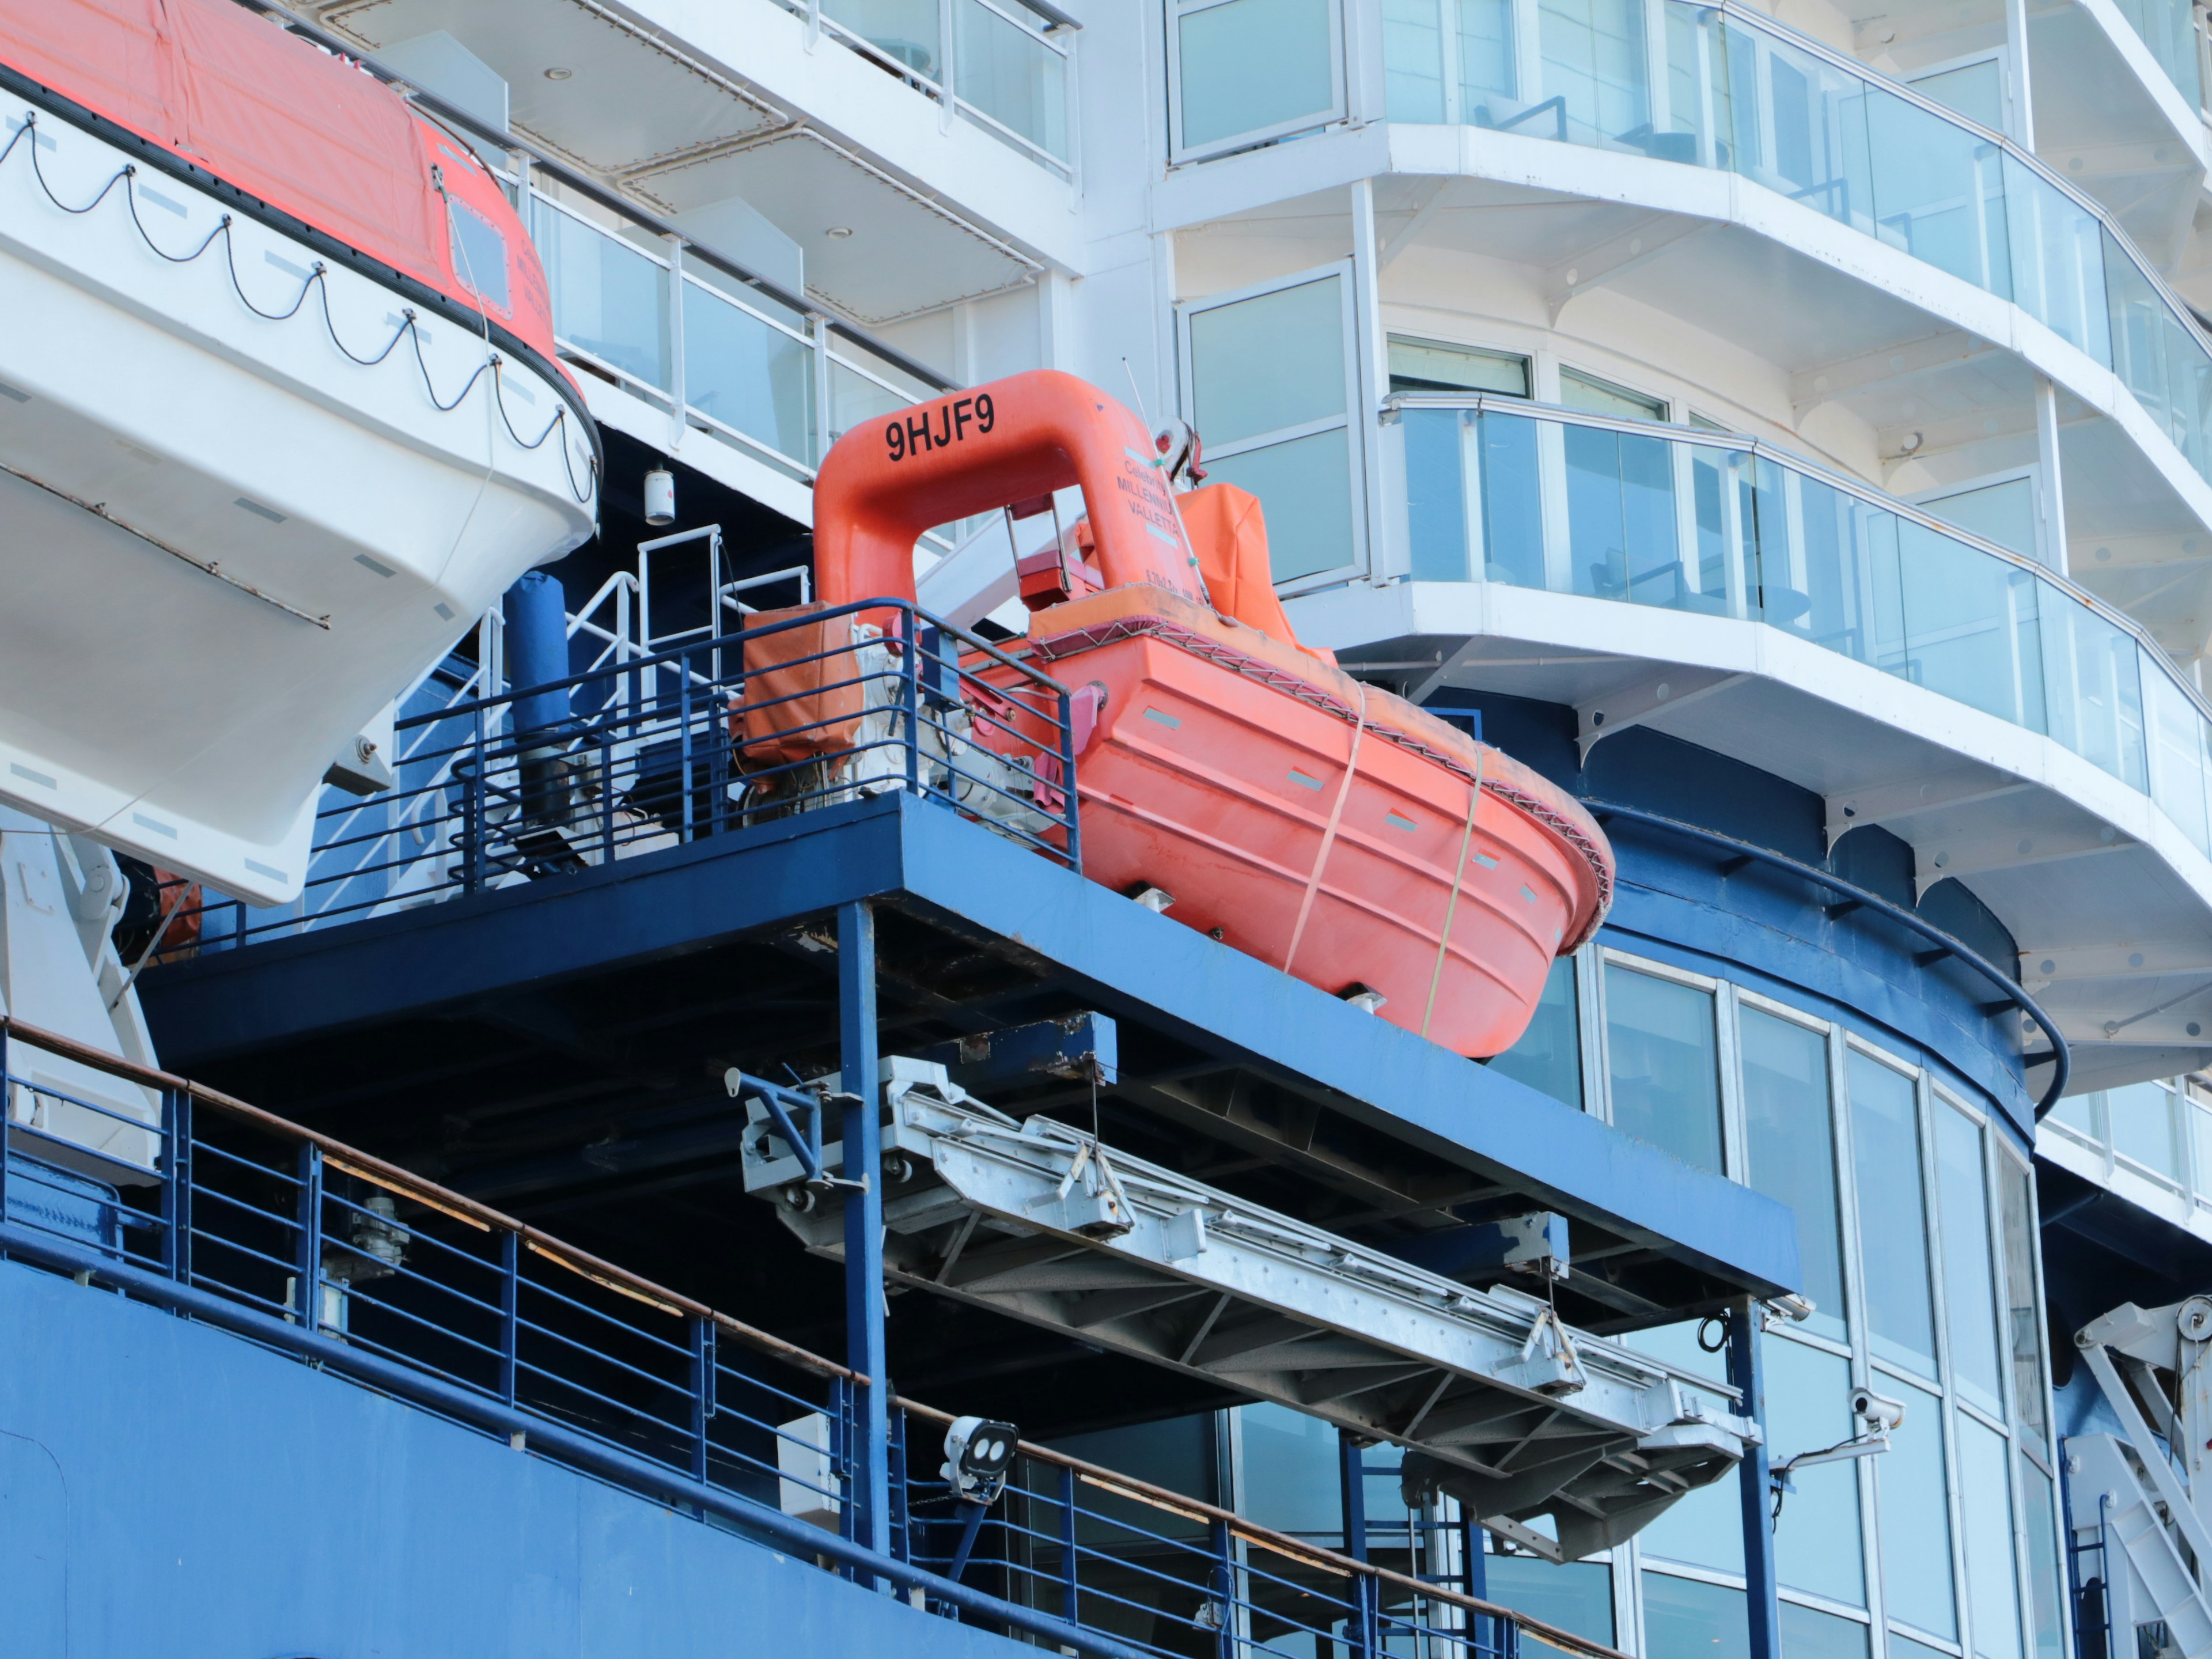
column 1413, row 60
column 1818, row 115
column 2200, row 1145
column 2079, row 1113
column 608, row 299
column 904, row 31
column 1003, row 71
column 1594, row 73
column 1436, row 517
column 1847, row 568
column 1620, row 519
column 1939, row 192
column 2167, row 27
column 2141, row 337
column 854, row 399
column 1254, row 66
column 748, row 375
column 1971, row 626
column 2096, row 688
column 2057, row 260
column 2141, row 1116
column 1697, row 88
column 1816, row 1536
column 2177, row 775
column 1511, row 520
column 1975, row 90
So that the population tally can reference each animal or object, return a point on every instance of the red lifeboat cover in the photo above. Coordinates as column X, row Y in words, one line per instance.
column 308, row 133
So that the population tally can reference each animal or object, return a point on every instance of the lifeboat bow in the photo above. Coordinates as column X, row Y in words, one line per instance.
column 1323, row 825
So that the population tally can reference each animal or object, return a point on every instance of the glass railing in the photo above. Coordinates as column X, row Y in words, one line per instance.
column 1006, row 66
column 1501, row 490
column 748, row 364
column 1709, row 86
column 2168, row 27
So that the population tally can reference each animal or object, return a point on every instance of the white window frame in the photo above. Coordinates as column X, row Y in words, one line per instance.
column 1337, row 112
column 1351, row 420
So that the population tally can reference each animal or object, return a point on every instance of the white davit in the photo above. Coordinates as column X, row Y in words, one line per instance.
column 278, row 420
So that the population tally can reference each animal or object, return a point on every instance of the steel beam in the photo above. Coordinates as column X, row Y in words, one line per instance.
column 864, row 1222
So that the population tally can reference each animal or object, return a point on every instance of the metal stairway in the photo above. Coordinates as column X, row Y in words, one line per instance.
column 2129, row 1502
column 1035, row 1221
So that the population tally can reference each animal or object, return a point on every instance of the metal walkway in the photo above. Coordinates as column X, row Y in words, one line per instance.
column 1036, row 1221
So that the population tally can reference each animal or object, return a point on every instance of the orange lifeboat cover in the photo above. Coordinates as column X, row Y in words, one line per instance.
column 1229, row 532
column 312, row 134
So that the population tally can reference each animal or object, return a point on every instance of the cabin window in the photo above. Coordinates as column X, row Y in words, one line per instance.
column 479, row 255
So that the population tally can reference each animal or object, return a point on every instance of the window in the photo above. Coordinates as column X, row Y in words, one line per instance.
column 1596, row 397
column 1249, row 70
column 2142, row 1118
column 1816, row 1535
column 1893, row 1221
column 1969, row 1285
column 1432, row 365
column 1687, row 1619
column 1985, row 1523
column 2004, row 512
column 1549, row 1057
column 1915, row 1517
column 1268, row 381
column 1662, row 1065
column 1789, row 1146
column 479, row 254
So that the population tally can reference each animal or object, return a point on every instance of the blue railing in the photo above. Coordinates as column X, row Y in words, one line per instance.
column 793, row 713
column 198, row 1203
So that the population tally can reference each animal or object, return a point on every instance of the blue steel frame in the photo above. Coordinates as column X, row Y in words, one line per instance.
column 242, row 1220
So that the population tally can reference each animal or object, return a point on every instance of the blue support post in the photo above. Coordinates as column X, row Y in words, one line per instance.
column 1747, row 1373
column 1070, row 1577
column 910, row 702
column 683, row 739
column 702, row 1393
column 902, row 1511
column 176, row 1185
column 1068, row 782
column 1475, row 1576
column 1225, row 1576
column 1352, row 1469
column 510, row 1313
column 6, row 1117
column 309, row 1261
column 864, row 1222
column 472, row 864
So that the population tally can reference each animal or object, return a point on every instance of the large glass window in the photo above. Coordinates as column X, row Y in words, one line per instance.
column 1969, row 1286
column 1985, row 1523
column 2023, row 1328
column 1916, row 1518
column 1577, row 1596
column 1663, row 1065
column 1432, row 365
column 1269, row 385
column 1593, row 54
column 1687, row 1619
column 2142, row 1118
column 1291, row 1473
column 1548, row 1056
column 1790, row 1145
column 1249, row 69
column 1893, row 1220
column 1816, row 1534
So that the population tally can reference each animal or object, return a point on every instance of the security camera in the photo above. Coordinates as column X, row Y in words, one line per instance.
column 979, row 1453
column 1879, row 1412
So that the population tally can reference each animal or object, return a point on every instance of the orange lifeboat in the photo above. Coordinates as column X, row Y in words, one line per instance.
column 1319, row 824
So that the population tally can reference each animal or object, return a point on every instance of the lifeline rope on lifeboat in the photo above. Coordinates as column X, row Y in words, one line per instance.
column 318, row 278
column 1459, row 879
column 1328, row 835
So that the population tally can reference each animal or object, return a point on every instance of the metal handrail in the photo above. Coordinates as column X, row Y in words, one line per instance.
column 2059, row 1057
column 1747, row 444
column 415, row 1378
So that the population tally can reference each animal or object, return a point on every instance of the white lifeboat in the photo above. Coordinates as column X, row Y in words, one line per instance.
column 280, row 416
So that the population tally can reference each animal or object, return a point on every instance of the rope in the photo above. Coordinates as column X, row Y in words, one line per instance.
column 1451, row 909
column 1328, row 835
column 318, row 278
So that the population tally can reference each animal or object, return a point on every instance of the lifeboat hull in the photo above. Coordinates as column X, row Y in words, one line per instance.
column 226, row 545
column 1217, row 768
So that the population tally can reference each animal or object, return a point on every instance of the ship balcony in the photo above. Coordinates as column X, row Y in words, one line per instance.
column 2006, row 723
column 1939, row 302
column 918, row 155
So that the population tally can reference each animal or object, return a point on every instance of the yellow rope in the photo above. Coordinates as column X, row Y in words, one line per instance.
column 1328, row 835
column 1459, row 874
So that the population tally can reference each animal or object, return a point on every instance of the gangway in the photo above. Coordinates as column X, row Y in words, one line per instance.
column 2141, row 1500
column 1045, row 1224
